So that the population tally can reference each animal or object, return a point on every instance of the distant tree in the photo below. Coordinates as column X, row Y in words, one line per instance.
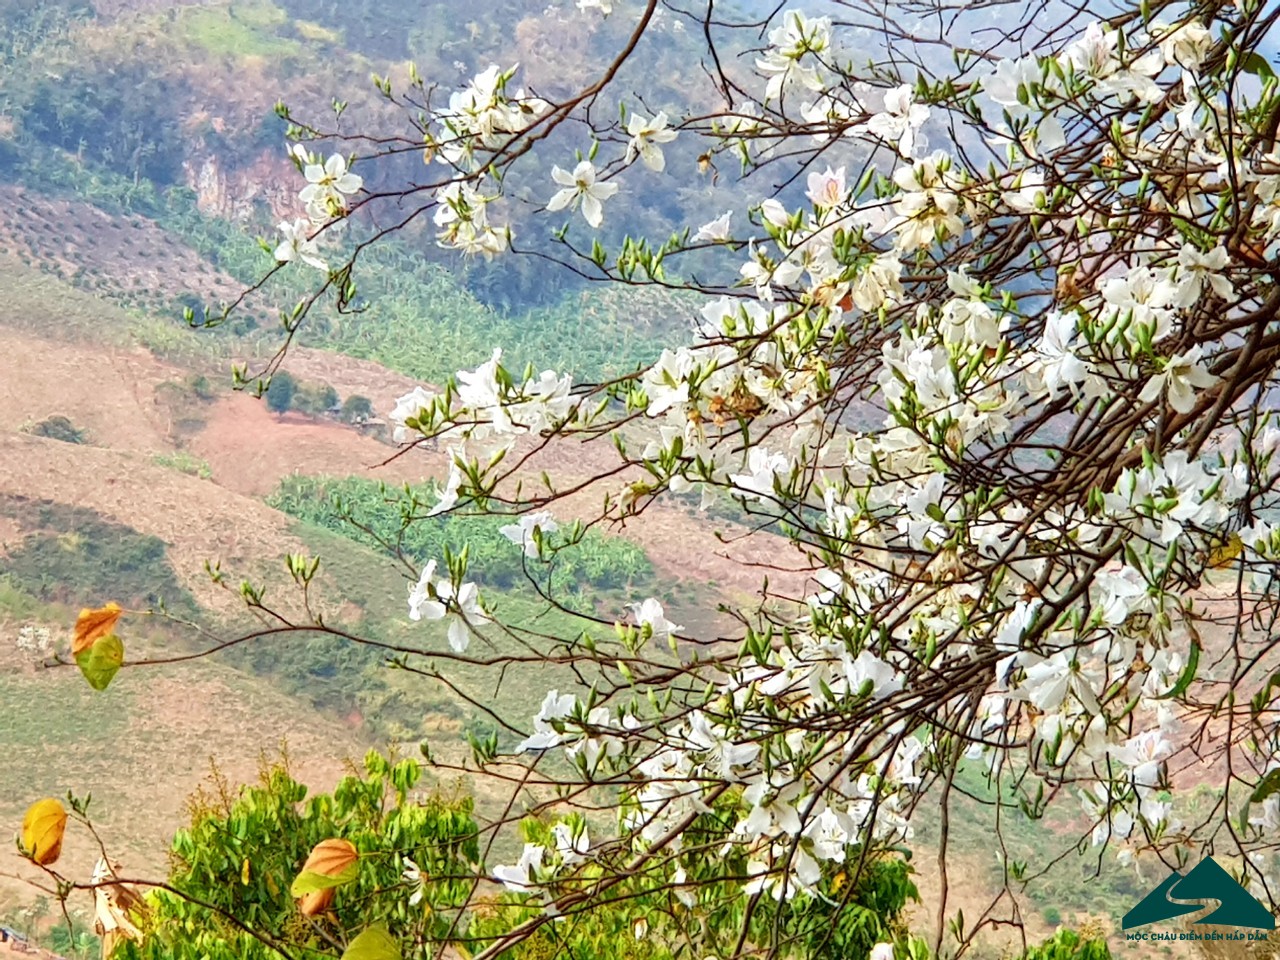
column 280, row 392
column 356, row 409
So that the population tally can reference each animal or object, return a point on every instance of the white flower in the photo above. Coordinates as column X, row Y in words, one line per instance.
column 1047, row 683
column 328, row 187
column 1060, row 367
column 410, row 407
column 649, row 613
column 298, row 244
column 581, row 185
column 763, row 468
column 413, row 877
column 468, row 613
column 604, row 6
column 870, row 672
column 1144, row 755
column 647, row 136
column 421, row 603
column 1186, row 46
column 666, row 383
column 521, row 877
column 571, row 843
column 1200, row 269
column 901, row 118
column 521, row 532
column 449, row 495
column 1183, row 375
column 716, row 230
column 882, row 951
column 554, row 707
column 794, row 53
column 827, row 189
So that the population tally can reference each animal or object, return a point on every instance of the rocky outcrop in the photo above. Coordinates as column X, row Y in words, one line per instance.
column 235, row 193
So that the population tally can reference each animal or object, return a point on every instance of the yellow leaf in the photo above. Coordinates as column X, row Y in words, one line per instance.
column 42, row 830
column 94, row 624
column 1222, row 554
column 244, row 872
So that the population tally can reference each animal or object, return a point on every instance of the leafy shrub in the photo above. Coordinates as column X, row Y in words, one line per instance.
column 356, row 409
column 314, row 398
column 280, row 392
column 59, row 427
column 243, row 849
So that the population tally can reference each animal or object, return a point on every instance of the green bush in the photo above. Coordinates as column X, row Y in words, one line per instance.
column 243, row 850
column 314, row 398
column 59, row 427
column 186, row 463
column 356, row 409
column 280, row 391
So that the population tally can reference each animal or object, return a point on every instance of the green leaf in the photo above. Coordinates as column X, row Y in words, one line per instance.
column 1188, row 674
column 374, row 944
column 1256, row 64
column 1266, row 787
column 101, row 661
column 311, row 882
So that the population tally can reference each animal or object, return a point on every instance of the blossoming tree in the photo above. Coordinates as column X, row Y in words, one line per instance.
column 991, row 335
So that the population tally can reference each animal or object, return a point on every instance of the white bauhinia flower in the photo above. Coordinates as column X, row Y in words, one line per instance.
column 715, row 231
column 422, row 605
column 827, row 189
column 412, row 875
column 572, row 843
column 328, row 187
column 795, row 52
column 649, row 613
column 901, row 118
column 410, row 407
column 869, row 672
column 1198, row 270
column 647, row 137
column 522, row 876
column 604, row 6
column 882, row 951
column 666, row 383
column 521, row 532
column 449, row 495
column 1183, row 374
column 763, row 470
column 467, row 615
column 1056, row 353
column 581, row 185
column 555, row 706
column 298, row 244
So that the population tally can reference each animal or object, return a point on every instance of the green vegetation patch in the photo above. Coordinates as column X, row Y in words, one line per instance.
column 371, row 513
column 184, row 462
column 237, row 30
column 73, row 555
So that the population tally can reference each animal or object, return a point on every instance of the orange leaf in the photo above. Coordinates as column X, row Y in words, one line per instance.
column 42, row 829
column 94, row 624
column 331, row 858
column 316, row 902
